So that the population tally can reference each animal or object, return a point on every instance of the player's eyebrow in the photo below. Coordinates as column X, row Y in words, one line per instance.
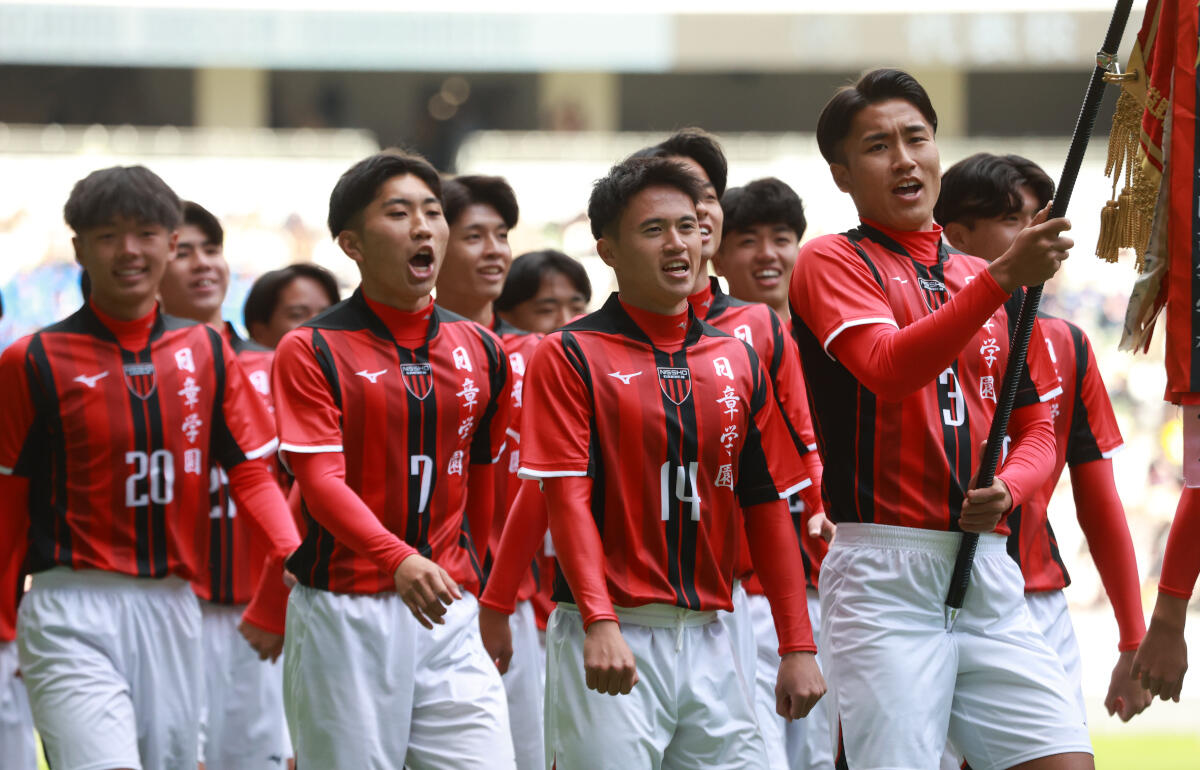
column 406, row 202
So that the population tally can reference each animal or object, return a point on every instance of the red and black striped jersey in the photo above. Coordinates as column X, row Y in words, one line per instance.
column 758, row 326
column 235, row 548
column 676, row 443
column 900, row 462
column 519, row 346
column 410, row 421
column 1085, row 430
column 117, row 443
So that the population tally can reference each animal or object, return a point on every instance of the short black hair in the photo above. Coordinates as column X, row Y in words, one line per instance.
column 525, row 277
column 986, row 185
column 700, row 146
column 874, row 87
column 197, row 216
column 611, row 195
column 134, row 192
column 767, row 201
column 463, row 191
column 360, row 184
column 263, row 297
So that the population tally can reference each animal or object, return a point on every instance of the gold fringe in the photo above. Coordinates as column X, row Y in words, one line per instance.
column 1106, row 247
column 1125, row 220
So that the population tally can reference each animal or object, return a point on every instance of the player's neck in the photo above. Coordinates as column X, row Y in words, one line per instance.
column 701, row 297
column 921, row 245
column 478, row 309
column 120, row 311
column 131, row 333
column 410, row 328
column 665, row 330
column 783, row 310
column 403, row 304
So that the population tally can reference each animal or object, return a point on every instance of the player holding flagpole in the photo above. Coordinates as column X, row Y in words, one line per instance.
column 904, row 342
column 643, row 517
column 387, row 407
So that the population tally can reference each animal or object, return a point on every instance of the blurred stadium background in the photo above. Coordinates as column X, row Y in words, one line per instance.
column 254, row 107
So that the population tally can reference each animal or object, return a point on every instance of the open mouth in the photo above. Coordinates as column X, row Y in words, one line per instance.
column 909, row 189
column 130, row 274
column 705, row 232
column 676, row 267
column 423, row 259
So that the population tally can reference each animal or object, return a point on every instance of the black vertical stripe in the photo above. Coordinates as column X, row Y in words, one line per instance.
column 51, row 535
column 690, row 451
column 1082, row 446
column 221, row 556
column 141, row 435
column 158, row 511
column 680, row 426
column 497, row 362
column 422, row 440
column 1013, row 545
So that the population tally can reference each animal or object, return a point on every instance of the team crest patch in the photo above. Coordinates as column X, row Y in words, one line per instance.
column 140, row 379
column 675, row 383
column 418, row 378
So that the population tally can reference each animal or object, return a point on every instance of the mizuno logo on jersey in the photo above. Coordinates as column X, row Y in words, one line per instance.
column 676, row 383
column 140, row 379
column 625, row 378
column 91, row 381
column 418, row 378
column 372, row 376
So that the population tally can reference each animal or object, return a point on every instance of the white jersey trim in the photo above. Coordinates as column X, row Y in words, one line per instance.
column 6, row 470
column 858, row 322
column 794, row 489
column 500, row 452
column 310, row 450
column 812, row 447
column 263, row 450
column 515, row 436
column 528, row 473
column 1052, row 394
column 1103, row 455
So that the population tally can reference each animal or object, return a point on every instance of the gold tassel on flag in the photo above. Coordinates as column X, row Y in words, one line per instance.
column 1121, row 225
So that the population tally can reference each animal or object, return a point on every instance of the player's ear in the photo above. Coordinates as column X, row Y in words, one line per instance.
column 605, row 249
column 76, row 246
column 841, row 176
column 956, row 233
column 351, row 244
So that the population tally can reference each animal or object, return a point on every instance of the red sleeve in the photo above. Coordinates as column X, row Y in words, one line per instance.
column 14, row 533
column 256, row 492
column 557, row 402
column 306, row 411
column 1031, row 458
column 1040, row 381
column 17, row 416
column 578, row 546
column 769, row 465
column 523, row 533
column 268, row 607
column 1181, row 564
column 788, row 381
column 1094, row 432
column 322, row 480
column 775, row 552
column 481, row 501
column 247, row 419
column 1102, row 519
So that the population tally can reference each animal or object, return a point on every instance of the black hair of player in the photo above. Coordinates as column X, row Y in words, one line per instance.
column 263, row 297
column 766, row 201
column 133, row 192
column 612, row 194
column 984, row 186
column 876, row 86
column 700, row 146
column 463, row 191
column 199, row 217
column 360, row 184
column 85, row 285
column 526, row 274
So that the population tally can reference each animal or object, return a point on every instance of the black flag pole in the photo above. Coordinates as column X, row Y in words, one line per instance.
column 1084, row 125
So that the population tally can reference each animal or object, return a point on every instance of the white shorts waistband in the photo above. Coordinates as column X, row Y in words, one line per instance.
column 656, row 615
column 104, row 581
column 934, row 541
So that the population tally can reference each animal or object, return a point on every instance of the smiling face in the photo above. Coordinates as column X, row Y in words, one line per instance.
column 708, row 209
column 890, row 166
column 757, row 262
column 196, row 278
column 477, row 256
column 656, row 251
column 557, row 301
column 125, row 260
column 400, row 243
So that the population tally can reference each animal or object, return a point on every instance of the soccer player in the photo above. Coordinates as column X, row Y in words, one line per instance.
column 387, row 407
column 985, row 202
column 543, row 291
column 650, row 423
column 480, row 211
column 904, row 343
column 280, row 300
column 244, row 724
column 764, row 222
column 113, row 417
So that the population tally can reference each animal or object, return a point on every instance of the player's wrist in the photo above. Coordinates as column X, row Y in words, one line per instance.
column 1001, row 273
column 487, row 604
column 1170, row 612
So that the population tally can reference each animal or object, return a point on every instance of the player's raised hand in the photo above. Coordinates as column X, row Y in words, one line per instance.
column 1126, row 696
column 269, row 646
column 1161, row 659
column 426, row 588
column 608, row 663
column 798, row 686
column 1036, row 253
column 497, row 636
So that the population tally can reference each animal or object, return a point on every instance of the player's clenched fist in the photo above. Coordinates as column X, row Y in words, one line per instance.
column 607, row 660
column 1035, row 255
column 798, row 686
column 426, row 588
column 269, row 646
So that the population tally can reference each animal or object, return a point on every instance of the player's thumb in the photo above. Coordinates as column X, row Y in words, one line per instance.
column 1041, row 216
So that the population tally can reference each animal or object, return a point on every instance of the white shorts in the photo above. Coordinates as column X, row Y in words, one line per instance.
column 244, row 726
column 740, row 626
column 904, row 676
column 802, row 744
column 1050, row 616
column 525, row 685
column 365, row 685
column 112, row 665
column 17, row 745
column 689, row 709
